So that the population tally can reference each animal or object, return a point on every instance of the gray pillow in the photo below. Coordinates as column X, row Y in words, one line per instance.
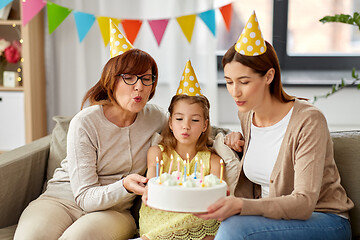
column 347, row 158
column 57, row 144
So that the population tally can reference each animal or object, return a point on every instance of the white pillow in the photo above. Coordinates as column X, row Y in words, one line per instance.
column 231, row 159
column 155, row 139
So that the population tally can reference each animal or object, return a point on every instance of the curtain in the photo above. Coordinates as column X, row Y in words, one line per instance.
column 73, row 67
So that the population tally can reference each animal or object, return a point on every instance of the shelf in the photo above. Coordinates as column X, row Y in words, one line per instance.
column 33, row 85
column 14, row 89
column 10, row 22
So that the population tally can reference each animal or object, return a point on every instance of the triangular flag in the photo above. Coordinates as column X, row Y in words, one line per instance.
column 4, row 3
column 226, row 12
column 187, row 24
column 84, row 22
column 56, row 15
column 158, row 28
column 105, row 27
column 209, row 19
column 131, row 28
column 30, row 8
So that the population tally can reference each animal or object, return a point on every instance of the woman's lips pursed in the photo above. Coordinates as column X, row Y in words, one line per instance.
column 137, row 99
column 240, row 103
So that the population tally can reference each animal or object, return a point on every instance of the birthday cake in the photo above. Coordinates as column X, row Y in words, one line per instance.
column 189, row 194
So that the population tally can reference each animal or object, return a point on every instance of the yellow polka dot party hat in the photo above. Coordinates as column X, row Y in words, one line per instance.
column 251, row 41
column 118, row 42
column 189, row 84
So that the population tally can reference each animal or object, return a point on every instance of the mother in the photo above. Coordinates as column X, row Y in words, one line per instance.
column 89, row 197
column 289, row 186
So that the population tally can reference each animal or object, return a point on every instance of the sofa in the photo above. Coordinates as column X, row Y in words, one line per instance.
column 24, row 172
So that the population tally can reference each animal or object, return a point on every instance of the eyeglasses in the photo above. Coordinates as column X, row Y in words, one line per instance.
column 131, row 79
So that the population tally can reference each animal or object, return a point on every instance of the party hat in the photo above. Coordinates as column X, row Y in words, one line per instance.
column 189, row 84
column 251, row 41
column 118, row 42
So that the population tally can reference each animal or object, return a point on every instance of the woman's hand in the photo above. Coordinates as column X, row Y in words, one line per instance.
column 135, row 183
column 223, row 208
column 235, row 140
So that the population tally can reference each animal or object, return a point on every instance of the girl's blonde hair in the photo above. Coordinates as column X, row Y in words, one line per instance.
column 168, row 139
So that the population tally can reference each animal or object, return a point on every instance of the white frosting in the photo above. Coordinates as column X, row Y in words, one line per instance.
column 189, row 196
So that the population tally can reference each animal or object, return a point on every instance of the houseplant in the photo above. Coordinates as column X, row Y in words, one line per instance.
column 346, row 19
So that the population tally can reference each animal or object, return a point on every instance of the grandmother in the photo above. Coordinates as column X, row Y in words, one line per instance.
column 90, row 195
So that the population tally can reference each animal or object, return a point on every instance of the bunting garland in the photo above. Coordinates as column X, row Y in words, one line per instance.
column 4, row 3
column 56, row 15
column 226, row 12
column 131, row 29
column 187, row 24
column 30, row 8
column 84, row 21
column 158, row 28
column 209, row 19
column 104, row 25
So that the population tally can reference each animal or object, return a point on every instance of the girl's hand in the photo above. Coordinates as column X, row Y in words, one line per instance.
column 135, row 183
column 223, row 208
column 144, row 197
column 235, row 140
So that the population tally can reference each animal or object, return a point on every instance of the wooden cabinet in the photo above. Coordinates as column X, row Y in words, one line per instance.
column 32, row 73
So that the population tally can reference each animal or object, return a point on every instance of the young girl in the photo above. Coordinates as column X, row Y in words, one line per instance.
column 187, row 133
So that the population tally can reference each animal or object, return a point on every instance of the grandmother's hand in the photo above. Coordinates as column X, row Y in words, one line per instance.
column 223, row 208
column 135, row 183
column 235, row 140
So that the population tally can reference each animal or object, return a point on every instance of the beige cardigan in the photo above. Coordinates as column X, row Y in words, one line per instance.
column 100, row 154
column 305, row 178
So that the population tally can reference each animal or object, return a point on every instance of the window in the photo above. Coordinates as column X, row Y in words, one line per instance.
column 301, row 41
column 304, row 43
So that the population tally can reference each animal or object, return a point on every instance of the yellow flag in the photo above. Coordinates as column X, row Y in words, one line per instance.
column 105, row 27
column 187, row 24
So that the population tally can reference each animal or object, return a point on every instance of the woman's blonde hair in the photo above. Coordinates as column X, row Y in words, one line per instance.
column 168, row 139
column 134, row 61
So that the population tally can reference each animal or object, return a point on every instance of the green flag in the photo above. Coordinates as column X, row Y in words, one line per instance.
column 56, row 15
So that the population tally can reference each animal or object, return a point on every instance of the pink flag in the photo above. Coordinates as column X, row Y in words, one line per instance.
column 30, row 8
column 158, row 28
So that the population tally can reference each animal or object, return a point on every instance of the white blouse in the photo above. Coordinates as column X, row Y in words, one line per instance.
column 264, row 146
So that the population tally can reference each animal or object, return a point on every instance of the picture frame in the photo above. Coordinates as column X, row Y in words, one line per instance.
column 10, row 79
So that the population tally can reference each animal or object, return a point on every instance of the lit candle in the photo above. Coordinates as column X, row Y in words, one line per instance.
column 196, row 160
column 178, row 168
column 188, row 164
column 157, row 167
column 184, row 171
column 221, row 170
column 161, row 169
column 202, row 177
column 171, row 163
column 201, row 170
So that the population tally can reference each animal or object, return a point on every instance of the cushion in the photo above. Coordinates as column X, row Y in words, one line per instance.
column 231, row 159
column 57, row 144
column 347, row 158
